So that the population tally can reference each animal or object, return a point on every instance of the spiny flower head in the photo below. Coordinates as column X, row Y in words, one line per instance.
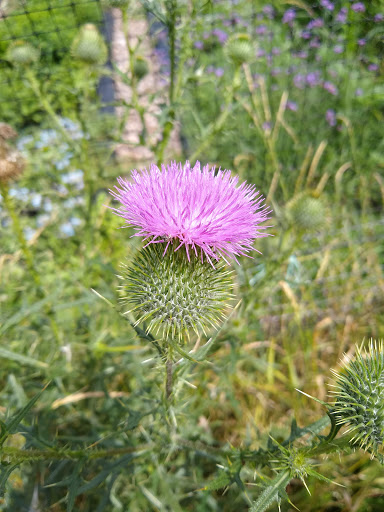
column 21, row 53
column 201, row 209
column 359, row 397
column 89, row 46
column 307, row 212
column 239, row 49
column 173, row 295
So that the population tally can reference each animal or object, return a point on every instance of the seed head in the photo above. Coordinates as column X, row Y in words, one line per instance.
column 239, row 49
column 307, row 212
column 172, row 294
column 199, row 208
column 359, row 397
column 89, row 46
column 21, row 53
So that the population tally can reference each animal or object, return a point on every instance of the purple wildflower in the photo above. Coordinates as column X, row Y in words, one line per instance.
column 373, row 67
column 196, row 206
column 359, row 92
column 221, row 35
column 199, row 45
column 219, row 72
column 269, row 11
column 305, row 34
column 338, row 48
column 261, row 30
column 342, row 15
column 378, row 18
column 315, row 43
column 313, row 78
column 316, row 23
column 299, row 81
column 330, row 117
column 289, row 16
column 327, row 5
column 358, row 7
column 291, row 105
column 361, row 42
column 331, row 88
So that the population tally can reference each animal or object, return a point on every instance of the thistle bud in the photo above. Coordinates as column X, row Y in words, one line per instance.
column 21, row 53
column 239, row 49
column 173, row 293
column 359, row 397
column 140, row 68
column 307, row 212
column 89, row 46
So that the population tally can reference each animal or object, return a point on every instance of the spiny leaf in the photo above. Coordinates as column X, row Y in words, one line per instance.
column 271, row 492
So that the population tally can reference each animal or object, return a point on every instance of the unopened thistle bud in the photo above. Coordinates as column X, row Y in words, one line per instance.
column 89, row 46
column 307, row 212
column 21, row 53
column 140, row 68
column 359, row 397
column 239, row 49
column 173, row 294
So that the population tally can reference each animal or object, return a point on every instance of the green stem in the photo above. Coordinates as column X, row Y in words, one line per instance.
column 11, row 454
column 220, row 121
column 168, row 126
column 168, row 379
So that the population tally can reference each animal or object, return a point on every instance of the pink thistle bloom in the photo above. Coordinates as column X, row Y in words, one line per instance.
column 203, row 210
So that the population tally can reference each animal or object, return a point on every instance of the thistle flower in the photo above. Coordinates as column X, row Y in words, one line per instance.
column 359, row 397
column 307, row 212
column 172, row 294
column 89, row 46
column 21, row 53
column 239, row 49
column 200, row 208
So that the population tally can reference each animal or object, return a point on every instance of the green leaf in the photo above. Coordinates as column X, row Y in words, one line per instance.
column 26, row 360
column 219, row 482
column 74, row 485
column 271, row 492
column 15, row 421
column 98, row 479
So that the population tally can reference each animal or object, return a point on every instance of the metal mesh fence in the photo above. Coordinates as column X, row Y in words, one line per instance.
column 50, row 26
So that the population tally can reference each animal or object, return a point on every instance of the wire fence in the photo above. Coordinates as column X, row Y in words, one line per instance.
column 50, row 26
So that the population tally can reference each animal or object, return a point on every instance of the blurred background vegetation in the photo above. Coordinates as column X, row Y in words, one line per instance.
column 300, row 116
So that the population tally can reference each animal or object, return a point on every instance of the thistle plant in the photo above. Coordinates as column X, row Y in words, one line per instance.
column 194, row 220
column 21, row 53
column 359, row 398
column 307, row 212
column 89, row 46
column 239, row 49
